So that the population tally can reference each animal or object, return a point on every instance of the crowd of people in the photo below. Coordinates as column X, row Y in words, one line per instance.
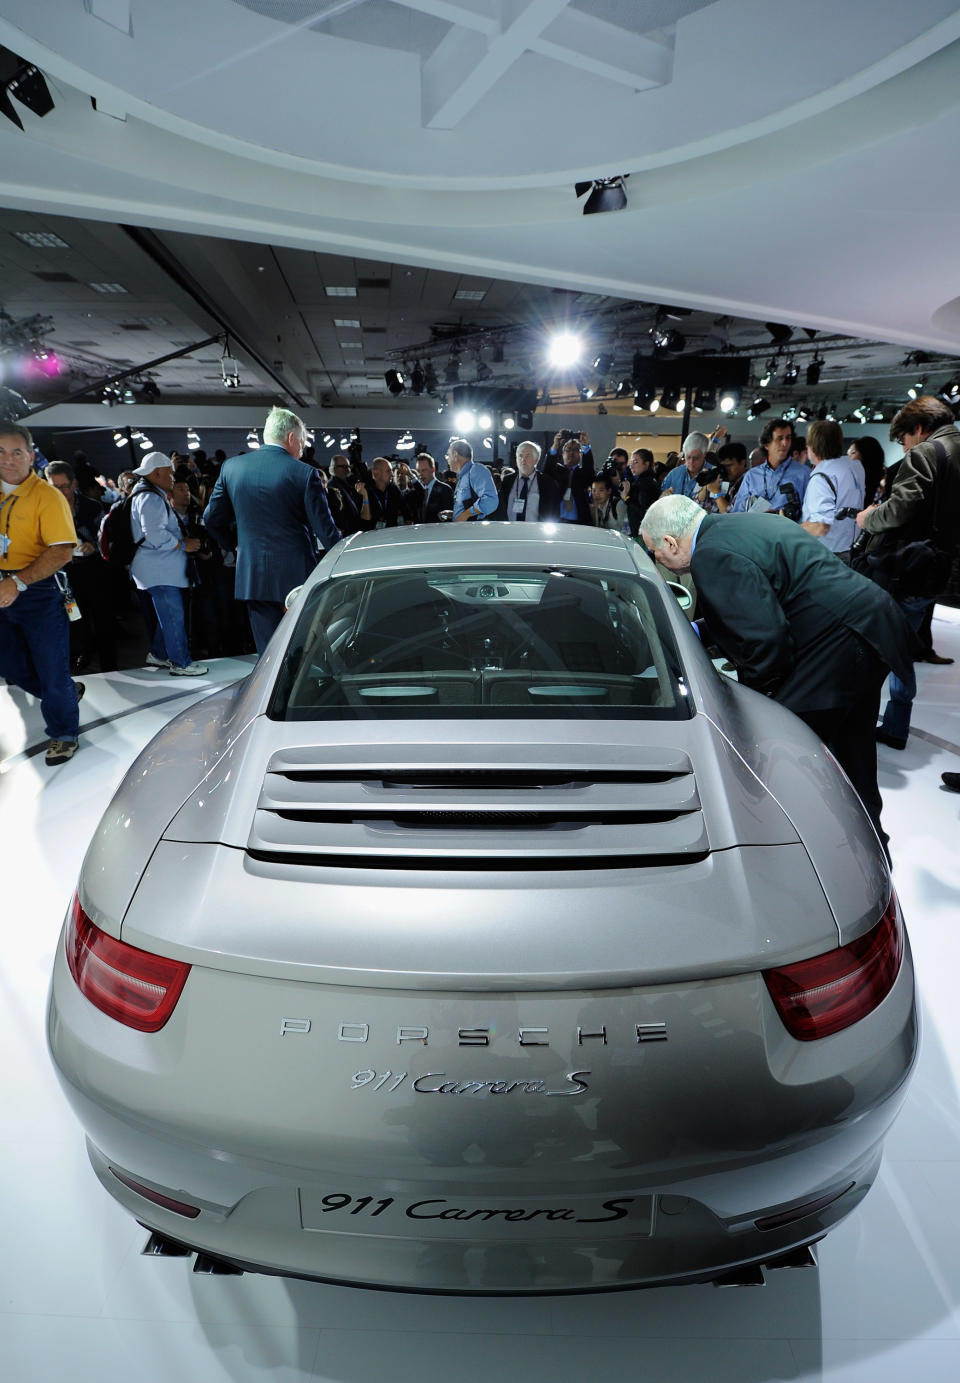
column 207, row 548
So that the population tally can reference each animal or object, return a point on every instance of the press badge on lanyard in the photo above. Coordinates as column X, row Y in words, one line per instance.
column 6, row 508
column 4, row 545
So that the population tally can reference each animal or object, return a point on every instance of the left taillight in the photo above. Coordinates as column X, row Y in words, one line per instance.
column 135, row 987
column 829, row 992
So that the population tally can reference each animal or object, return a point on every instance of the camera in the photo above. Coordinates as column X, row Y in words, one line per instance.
column 567, row 436
column 793, row 509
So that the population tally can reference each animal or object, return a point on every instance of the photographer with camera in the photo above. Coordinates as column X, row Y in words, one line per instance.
column 835, row 493
column 573, row 475
column 777, row 485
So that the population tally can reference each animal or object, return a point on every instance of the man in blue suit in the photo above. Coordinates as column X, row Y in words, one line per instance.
column 277, row 505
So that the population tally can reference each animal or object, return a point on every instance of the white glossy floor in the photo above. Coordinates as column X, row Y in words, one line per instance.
column 78, row 1302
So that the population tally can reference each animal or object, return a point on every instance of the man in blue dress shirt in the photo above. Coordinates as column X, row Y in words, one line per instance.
column 685, row 479
column 764, row 488
column 476, row 495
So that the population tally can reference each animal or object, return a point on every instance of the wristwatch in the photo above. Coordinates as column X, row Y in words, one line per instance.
column 20, row 585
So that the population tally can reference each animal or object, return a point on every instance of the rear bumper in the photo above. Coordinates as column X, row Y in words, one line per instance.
column 655, row 1172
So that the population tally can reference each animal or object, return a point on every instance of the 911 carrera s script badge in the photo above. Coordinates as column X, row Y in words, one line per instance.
column 440, row 1083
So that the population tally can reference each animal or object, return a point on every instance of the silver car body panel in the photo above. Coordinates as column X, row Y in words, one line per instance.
column 534, row 1052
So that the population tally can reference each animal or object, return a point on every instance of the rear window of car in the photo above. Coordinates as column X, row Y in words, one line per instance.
column 486, row 643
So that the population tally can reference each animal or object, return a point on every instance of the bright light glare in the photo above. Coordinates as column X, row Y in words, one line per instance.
column 465, row 421
column 484, row 421
column 728, row 403
column 565, row 349
column 509, row 422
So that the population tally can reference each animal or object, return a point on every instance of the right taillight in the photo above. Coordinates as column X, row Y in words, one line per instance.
column 135, row 987
column 827, row 993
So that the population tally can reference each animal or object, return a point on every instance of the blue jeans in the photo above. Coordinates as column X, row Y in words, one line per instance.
column 896, row 713
column 169, row 639
column 35, row 655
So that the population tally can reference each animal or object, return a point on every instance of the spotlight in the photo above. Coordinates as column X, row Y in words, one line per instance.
column 119, row 440
column 705, row 400
column 792, row 372
column 430, row 381
column 394, row 380
column 484, row 422
column 879, row 414
column 564, row 349
column 417, row 379
column 442, row 406
column 759, row 405
column 642, row 399
column 509, row 422
column 193, row 439
column 451, row 372
column 804, row 413
column 525, row 418
column 344, row 442
column 669, row 342
column 145, row 443
column 623, row 388
column 405, row 442
column 229, row 369
column 606, row 194
column 465, row 421
column 603, row 363
column 778, row 331
column 328, row 440
column 129, row 396
column 790, row 413
column 813, row 370
column 950, row 393
column 919, row 388
column 729, row 400
column 253, row 441
column 150, row 390
column 769, row 371
column 29, row 87
column 488, row 442
column 669, row 398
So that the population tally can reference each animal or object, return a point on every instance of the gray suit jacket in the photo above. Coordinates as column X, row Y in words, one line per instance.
column 787, row 611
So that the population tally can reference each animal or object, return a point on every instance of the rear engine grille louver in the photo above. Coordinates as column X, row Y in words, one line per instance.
column 364, row 817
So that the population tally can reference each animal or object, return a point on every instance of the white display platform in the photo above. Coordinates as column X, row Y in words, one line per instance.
column 79, row 1303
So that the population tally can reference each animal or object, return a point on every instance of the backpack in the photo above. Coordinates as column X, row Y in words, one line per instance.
column 115, row 536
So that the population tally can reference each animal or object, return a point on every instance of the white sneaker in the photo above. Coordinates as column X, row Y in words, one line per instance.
column 191, row 670
column 152, row 660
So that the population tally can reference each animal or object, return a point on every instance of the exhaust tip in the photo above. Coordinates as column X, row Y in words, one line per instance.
column 750, row 1275
column 803, row 1257
column 159, row 1246
column 217, row 1267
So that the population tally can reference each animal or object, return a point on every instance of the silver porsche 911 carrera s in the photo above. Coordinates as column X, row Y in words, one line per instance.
column 485, row 938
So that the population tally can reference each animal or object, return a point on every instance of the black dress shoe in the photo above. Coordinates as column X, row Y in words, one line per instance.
column 951, row 781
column 932, row 657
column 891, row 741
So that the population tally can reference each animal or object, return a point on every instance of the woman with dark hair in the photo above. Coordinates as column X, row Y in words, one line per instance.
column 870, row 454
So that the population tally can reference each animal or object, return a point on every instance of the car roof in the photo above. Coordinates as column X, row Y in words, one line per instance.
column 469, row 544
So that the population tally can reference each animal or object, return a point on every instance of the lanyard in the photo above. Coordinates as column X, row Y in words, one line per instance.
column 11, row 501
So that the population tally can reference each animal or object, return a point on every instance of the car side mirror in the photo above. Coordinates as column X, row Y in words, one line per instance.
column 684, row 598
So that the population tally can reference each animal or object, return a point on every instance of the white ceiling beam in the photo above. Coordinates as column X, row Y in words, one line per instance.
column 116, row 13
column 592, row 45
column 483, row 16
column 465, row 66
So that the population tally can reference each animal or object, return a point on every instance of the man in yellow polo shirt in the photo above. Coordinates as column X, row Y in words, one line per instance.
column 37, row 538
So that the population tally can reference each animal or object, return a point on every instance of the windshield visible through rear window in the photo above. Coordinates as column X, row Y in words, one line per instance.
column 485, row 643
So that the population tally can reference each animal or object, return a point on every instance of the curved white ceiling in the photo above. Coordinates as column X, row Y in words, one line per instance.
column 431, row 93
column 766, row 140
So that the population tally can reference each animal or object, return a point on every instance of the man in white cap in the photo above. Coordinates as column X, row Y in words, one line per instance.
column 159, row 566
